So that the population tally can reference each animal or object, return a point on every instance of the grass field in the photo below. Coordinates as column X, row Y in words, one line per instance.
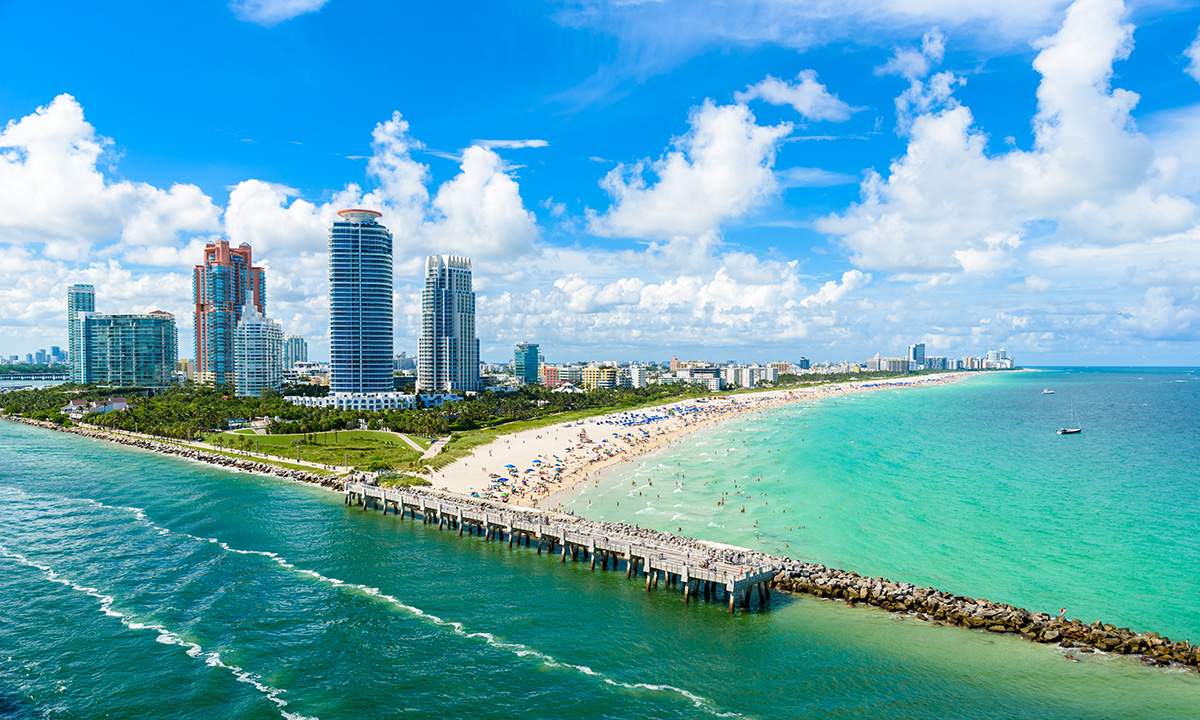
column 361, row 448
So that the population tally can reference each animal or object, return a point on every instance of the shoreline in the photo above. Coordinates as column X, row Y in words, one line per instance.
column 228, row 462
column 527, row 469
column 793, row 576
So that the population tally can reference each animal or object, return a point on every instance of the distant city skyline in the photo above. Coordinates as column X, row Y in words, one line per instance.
column 967, row 176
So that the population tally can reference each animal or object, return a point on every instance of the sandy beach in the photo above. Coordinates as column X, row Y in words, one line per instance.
column 531, row 467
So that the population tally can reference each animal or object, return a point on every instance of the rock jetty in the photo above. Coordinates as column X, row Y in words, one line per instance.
column 924, row 603
column 227, row 461
column 981, row 614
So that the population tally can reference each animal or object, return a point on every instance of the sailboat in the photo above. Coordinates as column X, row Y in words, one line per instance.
column 1075, row 430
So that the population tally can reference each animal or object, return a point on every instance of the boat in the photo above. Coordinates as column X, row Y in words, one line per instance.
column 1071, row 430
column 1047, row 391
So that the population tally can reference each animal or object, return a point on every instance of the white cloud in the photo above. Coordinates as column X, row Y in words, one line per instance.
column 807, row 96
column 644, row 49
column 1193, row 55
column 511, row 144
column 260, row 214
column 812, row 177
column 269, row 13
column 1166, row 313
column 913, row 63
column 480, row 212
column 832, row 291
column 1090, row 177
column 53, row 191
column 719, row 170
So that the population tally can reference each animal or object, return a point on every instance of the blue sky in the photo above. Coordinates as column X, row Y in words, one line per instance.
column 754, row 180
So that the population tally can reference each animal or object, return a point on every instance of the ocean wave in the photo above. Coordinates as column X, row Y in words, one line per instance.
column 458, row 628
column 164, row 635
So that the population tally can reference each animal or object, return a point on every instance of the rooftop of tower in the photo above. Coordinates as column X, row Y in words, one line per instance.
column 359, row 216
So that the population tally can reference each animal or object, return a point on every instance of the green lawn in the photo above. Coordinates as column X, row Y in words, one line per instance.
column 361, row 448
column 267, row 461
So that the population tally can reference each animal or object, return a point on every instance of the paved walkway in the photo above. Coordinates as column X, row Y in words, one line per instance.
column 435, row 448
column 406, row 439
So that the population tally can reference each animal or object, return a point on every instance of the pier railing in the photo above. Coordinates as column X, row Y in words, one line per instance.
column 694, row 568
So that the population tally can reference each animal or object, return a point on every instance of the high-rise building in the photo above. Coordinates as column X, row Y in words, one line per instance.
column 41, row 357
column 257, row 353
column 80, row 299
column 295, row 349
column 448, row 353
column 133, row 350
column 637, row 376
column 525, row 363
column 916, row 356
column 226, row 282
column 360, row 303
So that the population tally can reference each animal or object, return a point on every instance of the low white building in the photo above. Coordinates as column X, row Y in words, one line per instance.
column 375, row 402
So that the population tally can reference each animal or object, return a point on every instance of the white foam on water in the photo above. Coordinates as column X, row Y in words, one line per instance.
column 213, row 659
column 165, row 636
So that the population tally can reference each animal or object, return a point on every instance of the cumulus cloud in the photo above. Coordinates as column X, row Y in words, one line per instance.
column 720, row 169
column 913, row 63
column 54, row 191
column 480, row 212
column 806, row 96
column 730, row 299
column 947, row 205
column 269, row 13
column 1193, row 56
column 1166, row 313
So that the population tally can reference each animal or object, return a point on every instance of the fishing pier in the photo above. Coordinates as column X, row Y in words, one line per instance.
column 697, row 569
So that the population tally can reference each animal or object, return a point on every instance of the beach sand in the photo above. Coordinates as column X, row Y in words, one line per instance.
column 533, row 466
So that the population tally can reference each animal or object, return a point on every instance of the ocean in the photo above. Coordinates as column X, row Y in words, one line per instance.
column 140, row 585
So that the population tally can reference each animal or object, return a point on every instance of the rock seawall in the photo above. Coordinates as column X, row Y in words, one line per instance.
column 981, row 614
column 191, row 453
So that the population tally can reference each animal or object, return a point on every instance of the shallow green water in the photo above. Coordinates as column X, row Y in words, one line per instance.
column 965, row 487
column 136, row 585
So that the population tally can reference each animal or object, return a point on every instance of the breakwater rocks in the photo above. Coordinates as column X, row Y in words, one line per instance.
column 227, row 461
column 982, row 614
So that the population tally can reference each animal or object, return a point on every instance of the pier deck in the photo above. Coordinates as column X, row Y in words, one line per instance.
column 696, row 570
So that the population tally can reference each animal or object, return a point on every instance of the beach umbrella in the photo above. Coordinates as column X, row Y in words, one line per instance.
column 511, row 466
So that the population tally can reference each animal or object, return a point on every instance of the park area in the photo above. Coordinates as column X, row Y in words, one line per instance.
column 366, row 449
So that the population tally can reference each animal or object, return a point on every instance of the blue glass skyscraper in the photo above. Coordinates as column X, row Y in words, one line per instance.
column 360, row 303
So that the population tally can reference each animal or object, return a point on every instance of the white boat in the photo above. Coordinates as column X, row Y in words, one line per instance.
column 1075, row 428
column 1047, row 391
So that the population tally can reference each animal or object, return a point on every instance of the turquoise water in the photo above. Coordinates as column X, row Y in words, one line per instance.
column 137, row 585
column 965, row 487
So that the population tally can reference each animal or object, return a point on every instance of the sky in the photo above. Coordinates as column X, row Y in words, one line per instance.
column 751, row 180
